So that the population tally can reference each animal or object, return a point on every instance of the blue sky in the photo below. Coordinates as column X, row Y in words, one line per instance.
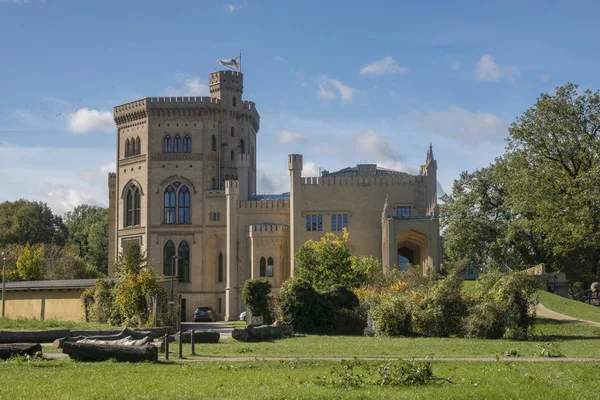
column 342, row 82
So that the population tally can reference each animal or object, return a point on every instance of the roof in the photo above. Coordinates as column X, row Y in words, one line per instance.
column 53, row 285
column 367, row 169
column 273, row 196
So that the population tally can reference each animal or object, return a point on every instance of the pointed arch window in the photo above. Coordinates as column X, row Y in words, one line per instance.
column 170, row 205
column 242, row 147
column 213, row 184
column 213, row 143
column 132, row 206
column 232, row 131
column 168, row 254
column 187, row 144
column 270, row 267
column 220, row 268
column 183, row 267
column 127, row 148
column 167, row 144
column 184, row 205
column 263, row 267
column 138, row 146
column 232, row 155
column 218, row 216
column 177, row 144
column 234, row 102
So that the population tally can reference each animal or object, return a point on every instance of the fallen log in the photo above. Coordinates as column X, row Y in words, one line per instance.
column 128, row 341
column 261, row 333
column 125, row 333
column 199, row 336
column 19, row 349
column 32, row 336
column 104, row 352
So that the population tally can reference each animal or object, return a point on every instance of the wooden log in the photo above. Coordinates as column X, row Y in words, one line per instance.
column 18, row 349
column 103, row 352
column 32, row 336
column 125, row 333
column 261, row 333
column 199, row 337
column 128, row 341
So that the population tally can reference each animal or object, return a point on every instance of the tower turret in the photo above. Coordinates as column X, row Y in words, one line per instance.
column 228, row 87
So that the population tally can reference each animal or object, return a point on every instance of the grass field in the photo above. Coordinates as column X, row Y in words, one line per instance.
column 35, row 324
column 572, row 308
column 64, row 379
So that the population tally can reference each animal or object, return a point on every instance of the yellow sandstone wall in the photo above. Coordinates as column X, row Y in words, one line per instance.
column 61, row 305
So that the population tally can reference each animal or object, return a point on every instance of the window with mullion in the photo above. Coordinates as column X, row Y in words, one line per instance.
column 177, row 144
column 168, row 254
column 403, row 211
column 187, row 144
column 136, row 207
column 183, row 205
column 183, row 251
column 170, row 205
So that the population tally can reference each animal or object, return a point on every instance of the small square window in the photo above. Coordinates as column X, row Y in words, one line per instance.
column 403, row 211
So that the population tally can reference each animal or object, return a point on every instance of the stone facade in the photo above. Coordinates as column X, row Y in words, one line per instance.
column 185, row 187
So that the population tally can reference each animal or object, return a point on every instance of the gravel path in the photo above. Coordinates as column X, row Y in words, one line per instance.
column 545, row 312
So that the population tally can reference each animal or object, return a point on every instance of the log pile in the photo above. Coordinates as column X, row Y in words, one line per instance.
column 19, row 349
column 127, row 334
column 262, row 333
column 102, row 352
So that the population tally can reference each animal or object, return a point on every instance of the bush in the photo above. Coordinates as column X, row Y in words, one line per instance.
column 256, row 295
column 391, row 316
column 333, row 311
column 99, row 304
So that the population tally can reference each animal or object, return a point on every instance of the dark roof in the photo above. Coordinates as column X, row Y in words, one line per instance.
column 53, row 285
column 354, row 170
column 274, row 196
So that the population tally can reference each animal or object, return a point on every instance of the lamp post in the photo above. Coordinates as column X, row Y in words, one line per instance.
column 4, row 258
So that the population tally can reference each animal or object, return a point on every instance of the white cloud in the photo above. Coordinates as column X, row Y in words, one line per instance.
column 287, row 137
column 188, row 86
column 379, row 150
column 19, row 2
column 62, row 200
column 463, row 124
column 385, row 66
column 232, row 8
column 310, row 168
column 86, row 120
column 329, row 89
column 272, row 180
column 487, row 70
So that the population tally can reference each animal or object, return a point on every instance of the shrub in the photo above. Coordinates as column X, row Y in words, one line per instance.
column 298, row 304
column 256, row 295
column 391, row 316
column 99, row 304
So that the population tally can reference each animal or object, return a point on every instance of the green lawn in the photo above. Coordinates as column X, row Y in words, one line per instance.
column 64, row 379
column 572, row 308
column 36, row 324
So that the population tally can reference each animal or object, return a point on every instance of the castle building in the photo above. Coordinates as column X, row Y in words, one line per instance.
column 185, row 189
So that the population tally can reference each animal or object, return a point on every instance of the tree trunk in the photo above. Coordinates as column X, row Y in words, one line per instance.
column 261, row 333
column 199, row 336
column 18, row 349
column 32, row 336
column 124, row 334
column 104, row 352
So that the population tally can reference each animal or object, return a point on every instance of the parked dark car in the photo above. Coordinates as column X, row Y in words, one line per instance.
column 205, row 314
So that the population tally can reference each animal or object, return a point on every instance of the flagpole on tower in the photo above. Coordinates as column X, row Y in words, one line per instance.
column 240, row 60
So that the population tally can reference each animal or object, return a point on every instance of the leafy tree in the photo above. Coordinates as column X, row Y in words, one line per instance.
column 137, row 282
column 256, row 294
column 65, row 263
column 29, row 263
column 328, row 262
column 25, row 221
column 88, row 229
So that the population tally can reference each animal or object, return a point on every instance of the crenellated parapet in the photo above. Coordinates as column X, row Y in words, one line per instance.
column 262, row 204
column 268, row 229
column 400, row 179
column 129, row 112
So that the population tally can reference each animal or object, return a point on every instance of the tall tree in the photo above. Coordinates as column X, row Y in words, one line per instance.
column 88, row 229
column 31, row 222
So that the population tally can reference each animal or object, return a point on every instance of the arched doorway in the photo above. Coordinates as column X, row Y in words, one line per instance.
column 412, row 249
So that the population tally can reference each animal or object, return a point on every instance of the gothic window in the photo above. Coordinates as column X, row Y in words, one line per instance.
column 167, row 144
column 127, row 149
column 170, row 205
column 187, row 144
column 232, row 155
column 177, row 144
column 270, row 267
column 184, row 205
column 242, row 147
column 220, row 268
column 218, row 216
column 213, row 143
column 138, row 146
column 263, row 267
column 168, row 254
column 183, row 267
column 232, row 131
column 213, row 184
column 132, row 206
column 234, row 101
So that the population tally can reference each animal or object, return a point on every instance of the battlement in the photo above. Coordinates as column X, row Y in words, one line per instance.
column 249, row 105
column 179, row 101
column 295, row 162
column 281, row 204
column 131, row 106
column 112, row 179
column 267, row 228
column 364, row 180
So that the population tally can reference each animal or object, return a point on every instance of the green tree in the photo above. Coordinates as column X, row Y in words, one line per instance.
column 29, row 264
column 137, row 282
column 88, row 229
column 256, row 294
column 31, row 222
